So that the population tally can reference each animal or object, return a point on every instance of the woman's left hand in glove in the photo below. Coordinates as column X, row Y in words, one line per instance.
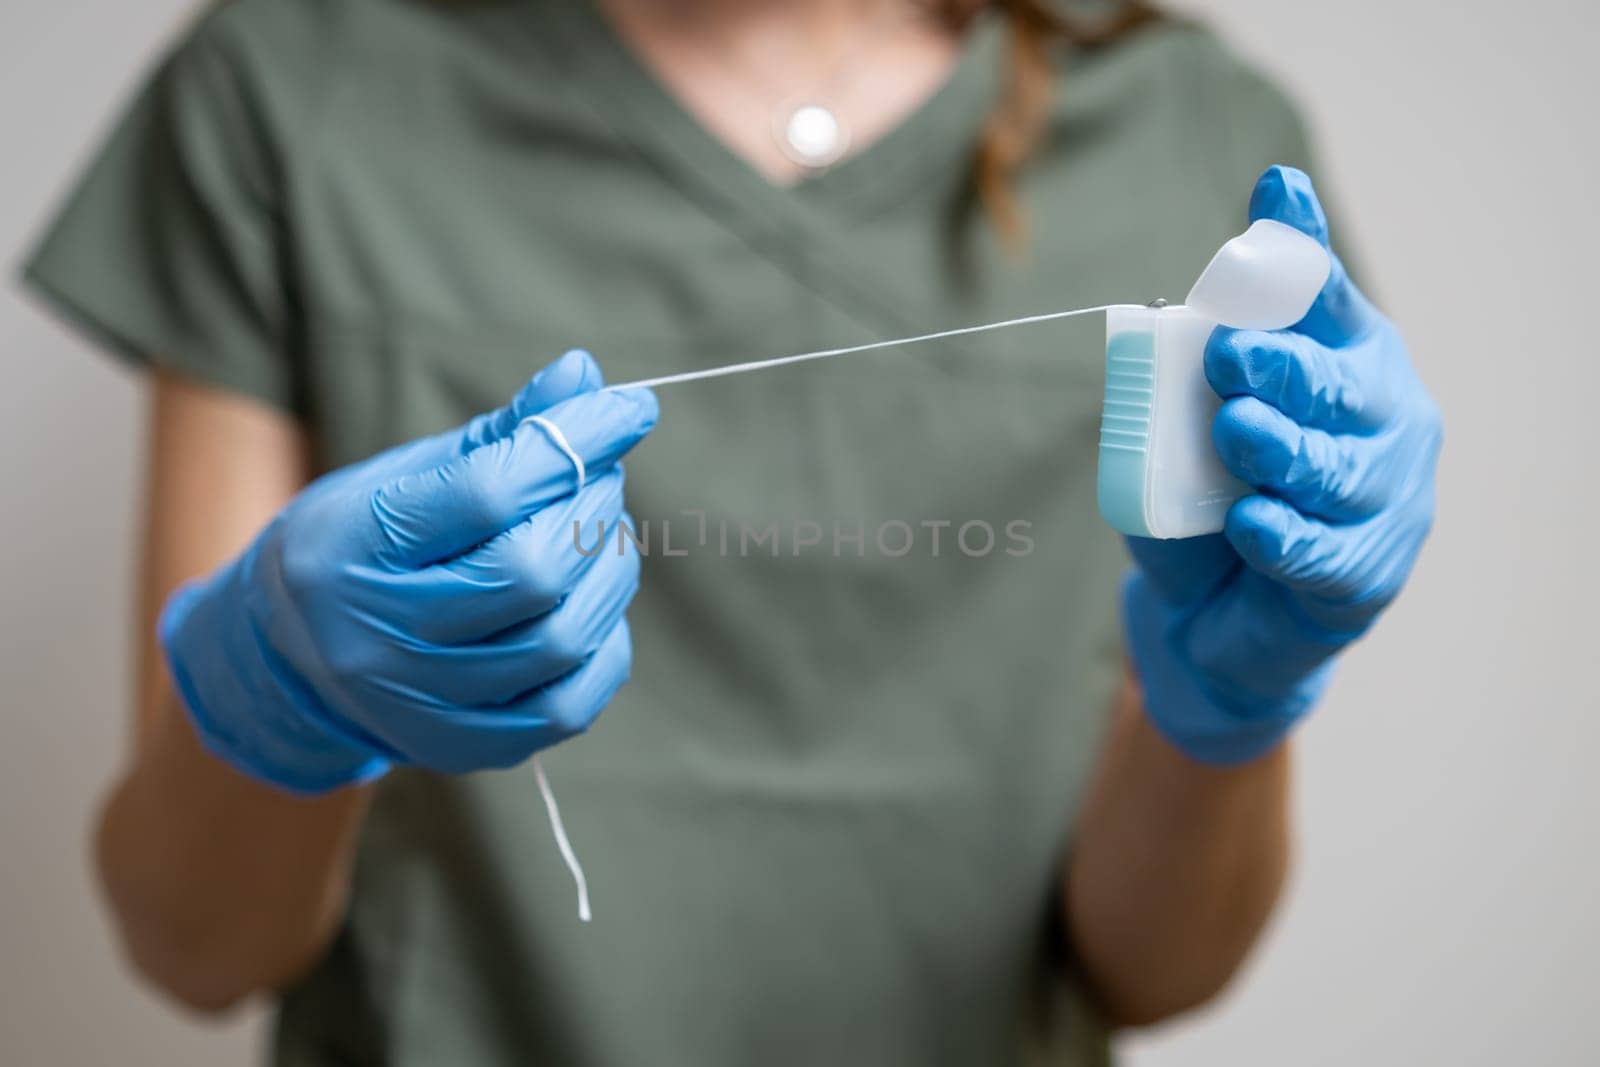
column 1233, row 635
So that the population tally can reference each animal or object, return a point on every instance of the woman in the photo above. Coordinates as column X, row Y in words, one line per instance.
column 864, row 800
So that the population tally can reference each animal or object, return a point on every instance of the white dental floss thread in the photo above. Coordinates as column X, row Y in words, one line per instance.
column 560, row 831
column 828, row 353
column 559, row 439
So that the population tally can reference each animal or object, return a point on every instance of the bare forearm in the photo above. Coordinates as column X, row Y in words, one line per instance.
column 222, row 887
column 1174, row 871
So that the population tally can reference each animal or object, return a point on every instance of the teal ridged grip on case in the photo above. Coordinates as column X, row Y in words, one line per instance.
column 1125, row 430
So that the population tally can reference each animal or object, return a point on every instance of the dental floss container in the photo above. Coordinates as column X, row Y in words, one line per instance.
column 1159, row 473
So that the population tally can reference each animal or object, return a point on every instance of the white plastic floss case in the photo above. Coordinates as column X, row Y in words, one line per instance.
column 1159, row 473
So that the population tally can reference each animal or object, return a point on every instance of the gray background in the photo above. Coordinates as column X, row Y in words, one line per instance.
column 1445, row 904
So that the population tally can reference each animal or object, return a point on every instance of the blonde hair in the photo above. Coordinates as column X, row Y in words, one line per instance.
column 1034, row 28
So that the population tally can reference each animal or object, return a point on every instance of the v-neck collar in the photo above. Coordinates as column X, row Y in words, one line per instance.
column 925, row 146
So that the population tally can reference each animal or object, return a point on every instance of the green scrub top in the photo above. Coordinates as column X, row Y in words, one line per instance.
column 825, row 822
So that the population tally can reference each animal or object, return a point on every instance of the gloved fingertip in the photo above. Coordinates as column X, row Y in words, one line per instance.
column 1256, row 442
column 603, row 426
column 648, row 408
column 1226, row 362
column 1259, row 529
column 1286, row 195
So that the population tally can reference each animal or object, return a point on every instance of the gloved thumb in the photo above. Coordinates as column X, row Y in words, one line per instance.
column 1341, row 313
column 1286, row 195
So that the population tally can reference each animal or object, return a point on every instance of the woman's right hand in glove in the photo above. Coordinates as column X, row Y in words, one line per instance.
column 428, row 606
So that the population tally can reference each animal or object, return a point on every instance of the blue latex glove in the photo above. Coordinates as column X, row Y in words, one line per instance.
column 1233, row 635
column 427, row 606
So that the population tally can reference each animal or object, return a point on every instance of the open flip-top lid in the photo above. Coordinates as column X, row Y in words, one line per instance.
column 1266, row 278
